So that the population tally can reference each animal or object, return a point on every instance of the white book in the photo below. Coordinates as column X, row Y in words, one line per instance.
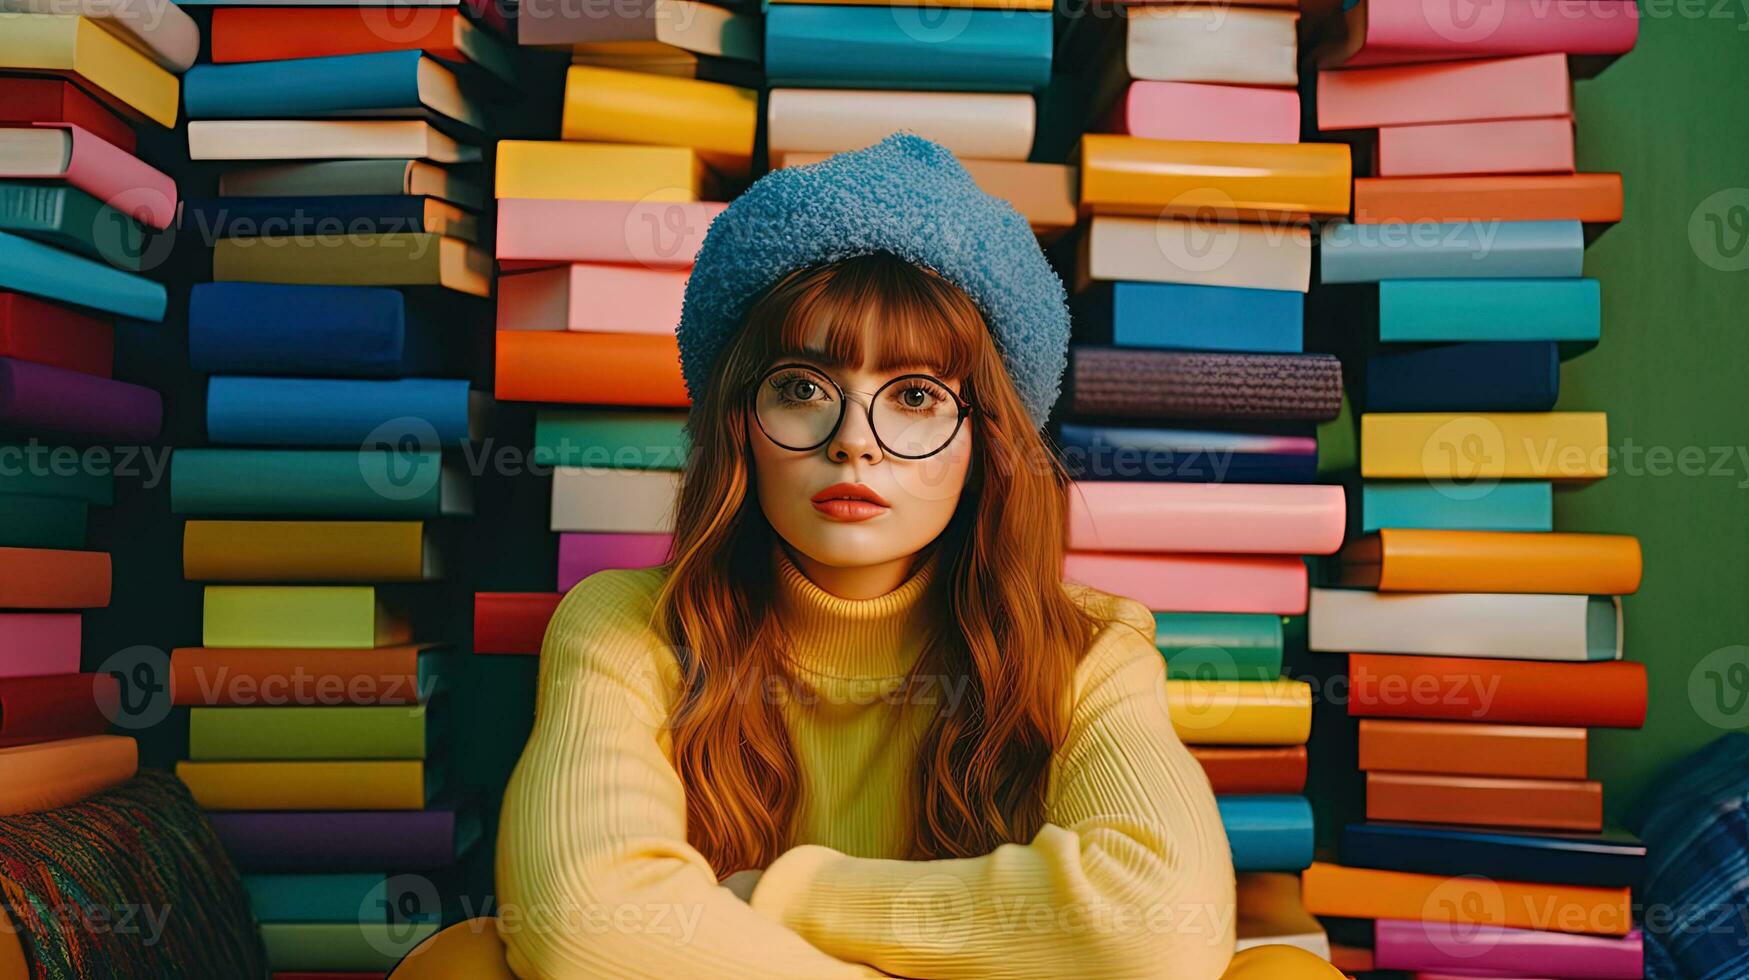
column 323, row 139
column 600, row 499
column 324, row 178
column 1200, row 253
column 983, row 125
column 1504, row 626
column 1213, row 43
column 158, row 29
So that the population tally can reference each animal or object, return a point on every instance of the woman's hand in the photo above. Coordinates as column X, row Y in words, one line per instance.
column 742, row 882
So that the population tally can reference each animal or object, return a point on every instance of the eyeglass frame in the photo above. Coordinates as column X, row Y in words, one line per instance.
column 964, row 407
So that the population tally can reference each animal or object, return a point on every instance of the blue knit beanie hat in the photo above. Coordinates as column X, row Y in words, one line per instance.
column 906, row 195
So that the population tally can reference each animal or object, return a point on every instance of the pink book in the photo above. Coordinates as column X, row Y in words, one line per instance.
column 1395, row 32
column 1196, row 583
column 1457, row 91
column 1502, row 146
column 583, row 554
column 1496, row 951
column 594, row 299
column 1277, row 519
column 657, row 234
column 39, row 643
column 63, row 151
column 1206, row 113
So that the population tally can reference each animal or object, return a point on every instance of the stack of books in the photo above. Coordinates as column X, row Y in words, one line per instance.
column 81, row 216
column 1482, row 644
column 351, row 263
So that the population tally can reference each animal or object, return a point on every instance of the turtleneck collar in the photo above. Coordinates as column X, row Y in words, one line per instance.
column 855, row 638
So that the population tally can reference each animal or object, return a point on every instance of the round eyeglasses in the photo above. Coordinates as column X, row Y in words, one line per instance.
column 913, row 416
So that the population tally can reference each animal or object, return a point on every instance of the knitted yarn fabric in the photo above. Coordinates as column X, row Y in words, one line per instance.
column 906, row 195
column 128, row 883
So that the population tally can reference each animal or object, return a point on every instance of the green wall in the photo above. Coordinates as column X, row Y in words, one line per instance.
column 1672, row 371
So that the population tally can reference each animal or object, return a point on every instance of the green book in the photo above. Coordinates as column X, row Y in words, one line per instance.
column 1220, row 646
column 627, row 440
column 299, row 617
column 369, row 897
column 314, row 732
column 318, row 483
column 42, row 522
column 36, row 470
column 69, row 218
column 364, row 946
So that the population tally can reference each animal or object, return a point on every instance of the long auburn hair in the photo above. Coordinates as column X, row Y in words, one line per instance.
column 1014, row 633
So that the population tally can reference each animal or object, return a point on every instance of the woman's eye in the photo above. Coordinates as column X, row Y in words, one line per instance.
column 802, row 389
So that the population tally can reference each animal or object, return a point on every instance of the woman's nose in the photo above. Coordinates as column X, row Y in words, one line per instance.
column 854, row 438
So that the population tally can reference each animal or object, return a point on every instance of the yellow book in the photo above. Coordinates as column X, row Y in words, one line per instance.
column 1277, row 712
column 599, row 172
column 1484, row 446
column 390, row 259
column 299, row 617
column 1222, row 181
column 307, row 551
column 349, row 784
column 614, row 106
column 78, row 47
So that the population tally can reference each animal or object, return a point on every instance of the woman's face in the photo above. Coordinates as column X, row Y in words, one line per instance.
column 915, row 498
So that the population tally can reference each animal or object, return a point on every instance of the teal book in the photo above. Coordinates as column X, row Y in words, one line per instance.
column 1450, row 250
column 1514, row 505
column 371, row 897
column 1435, row 310
column 42, row 522
column 622, row 439
column 69, row 218
column 29, row 266
column 907, row 47
column 35, row 469
column 1219, row 646
column 318, row 483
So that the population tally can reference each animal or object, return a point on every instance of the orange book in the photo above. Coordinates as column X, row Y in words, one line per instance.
column 1223, row 181
column 1451, row 91
column 1487, row 801
column 590, row 368
column 1604, row 694
column 45, row 578
column 1495, row 146
column 278, row 33
column 1421, row 560
column 257, row 676
column 1249, row 770
column 45, row 775
column 1367, row 893
column 1469, row 749
column 1594, row 198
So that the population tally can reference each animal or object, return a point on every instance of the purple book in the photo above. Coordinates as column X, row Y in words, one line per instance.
column 43, row 398
column 346, row 840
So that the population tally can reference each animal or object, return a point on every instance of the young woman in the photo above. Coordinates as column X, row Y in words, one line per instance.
column 858, row 725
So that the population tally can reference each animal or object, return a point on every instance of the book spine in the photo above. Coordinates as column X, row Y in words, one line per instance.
column 811, row 46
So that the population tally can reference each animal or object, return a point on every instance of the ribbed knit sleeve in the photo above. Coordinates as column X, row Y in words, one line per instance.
column 595, row 877
column 1130, row 877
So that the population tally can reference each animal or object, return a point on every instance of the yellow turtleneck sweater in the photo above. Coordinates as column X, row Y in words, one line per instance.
column 1130, row 877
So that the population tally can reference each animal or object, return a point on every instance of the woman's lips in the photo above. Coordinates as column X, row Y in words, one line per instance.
column 839, row 509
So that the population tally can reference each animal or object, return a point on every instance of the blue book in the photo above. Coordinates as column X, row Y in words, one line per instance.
column 43, row 270
column 1174, row 316
column 385, row 83
column 423, row 413
column 355, row 214
column 327, row 331
column 392, row 481
column 1509, row 505
column 1268, row 833
column 906, row 47
column 342, row 897
column 1424, row 310
column 1490, row 376
column 1611, row 859
column 1126, row 453
column 1455, row 250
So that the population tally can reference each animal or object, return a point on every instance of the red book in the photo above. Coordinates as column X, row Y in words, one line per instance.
column 1250, row 770
column 1605, row 694
column 32, row 330
column 56, row 706
column 512, row 622
column 27, row 100
column 47, row 578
